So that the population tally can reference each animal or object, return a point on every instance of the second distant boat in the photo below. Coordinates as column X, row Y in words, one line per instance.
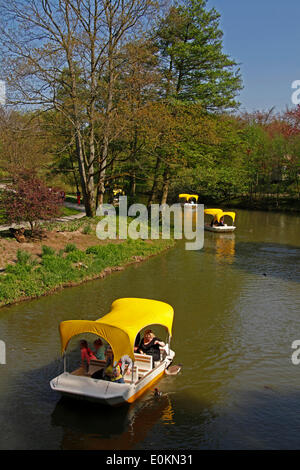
column 217, row 224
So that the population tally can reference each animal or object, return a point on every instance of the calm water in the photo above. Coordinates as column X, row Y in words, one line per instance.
column 237, row 312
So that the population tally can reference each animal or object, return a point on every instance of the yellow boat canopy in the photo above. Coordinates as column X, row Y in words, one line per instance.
column 230, row 214
column 188, row 196
column 218, row 213
column 213, row 212
column 118, row 191
column 122, row 324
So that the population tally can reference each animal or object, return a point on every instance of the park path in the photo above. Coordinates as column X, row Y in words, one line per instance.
column 70, row 205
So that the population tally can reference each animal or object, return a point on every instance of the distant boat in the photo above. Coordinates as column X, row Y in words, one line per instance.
column 116, row 195
column 217, row 224
column 119, row 328
column 189, row 200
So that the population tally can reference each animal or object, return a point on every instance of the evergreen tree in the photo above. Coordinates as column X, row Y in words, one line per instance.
column 194, row 64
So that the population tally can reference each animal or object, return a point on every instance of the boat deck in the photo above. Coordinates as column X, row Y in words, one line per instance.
column 142, row 366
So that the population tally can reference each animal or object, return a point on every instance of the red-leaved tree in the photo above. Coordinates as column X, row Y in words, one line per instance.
column 30, row 200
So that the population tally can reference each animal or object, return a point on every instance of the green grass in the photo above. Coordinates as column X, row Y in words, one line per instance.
column 65, row 211
column 28, row 278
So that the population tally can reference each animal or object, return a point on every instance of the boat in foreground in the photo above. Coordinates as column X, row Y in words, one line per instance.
column 119, row 328
column 217, row 225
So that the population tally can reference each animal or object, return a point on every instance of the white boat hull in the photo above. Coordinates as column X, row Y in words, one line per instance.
column 224, row 229
column 106, row 392
column 186, row 205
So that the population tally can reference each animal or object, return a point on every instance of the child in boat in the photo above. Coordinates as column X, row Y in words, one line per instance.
column 86, row 354
column 113, row 373
column 99, row 349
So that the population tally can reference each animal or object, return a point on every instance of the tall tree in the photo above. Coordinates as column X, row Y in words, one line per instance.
column 78, row 39
column 194, row 64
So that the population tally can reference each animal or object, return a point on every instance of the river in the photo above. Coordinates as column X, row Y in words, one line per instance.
column 237, row 312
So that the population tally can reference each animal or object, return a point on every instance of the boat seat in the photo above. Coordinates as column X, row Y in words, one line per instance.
column 128, row 378
column 97, row 362
column 143, row 361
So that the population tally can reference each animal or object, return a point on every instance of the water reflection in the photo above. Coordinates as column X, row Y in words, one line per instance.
column 90, row 426
column 225, row 248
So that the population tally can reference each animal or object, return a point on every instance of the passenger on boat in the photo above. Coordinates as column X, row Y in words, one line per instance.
column 150, row 345
column 113, row 373
column 99, row 349
column 123, row 361
column 221, row 223
column 86, row 354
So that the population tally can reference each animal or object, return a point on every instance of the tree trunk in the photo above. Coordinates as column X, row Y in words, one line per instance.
column 155, row 182
column 166, row 183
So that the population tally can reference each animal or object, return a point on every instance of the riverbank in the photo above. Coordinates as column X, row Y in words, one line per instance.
column 271, row 204
column 68, row 255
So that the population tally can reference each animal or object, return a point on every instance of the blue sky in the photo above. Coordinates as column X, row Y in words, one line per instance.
column 264, row 36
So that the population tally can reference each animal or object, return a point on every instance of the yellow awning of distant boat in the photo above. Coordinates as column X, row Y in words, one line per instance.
column 188, row 196
column 230, row 214
column 122, row 324
column 218, row 213
column 213, row 212
column 117, row 191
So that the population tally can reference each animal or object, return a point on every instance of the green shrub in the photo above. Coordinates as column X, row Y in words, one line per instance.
column 23, row 257
column 70, row 247
column 76, row 256
column 47, row 250
column 87, row 229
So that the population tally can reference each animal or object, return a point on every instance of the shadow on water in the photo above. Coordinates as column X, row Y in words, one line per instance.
column 91, row 426
column 269, row 259
column 263, row 420
column 180, row 419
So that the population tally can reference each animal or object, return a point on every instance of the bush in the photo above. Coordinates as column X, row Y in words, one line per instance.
column 47, row 250
column 23, row 257
column 30, row 201
column 87, row 229
column 70, row 247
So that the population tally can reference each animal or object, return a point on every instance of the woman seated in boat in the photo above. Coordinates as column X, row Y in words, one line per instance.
column 150, row 345
column 99, row 349
column 86, row 354
column 221, row 223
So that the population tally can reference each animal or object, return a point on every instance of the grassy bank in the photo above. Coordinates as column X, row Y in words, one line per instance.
column 28, row 277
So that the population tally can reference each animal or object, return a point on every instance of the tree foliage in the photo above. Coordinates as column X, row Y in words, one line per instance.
column 30, row 200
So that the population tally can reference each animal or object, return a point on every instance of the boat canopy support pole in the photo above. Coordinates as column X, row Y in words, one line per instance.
column 65, row 362
column 169, row 343
column 132, row 372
